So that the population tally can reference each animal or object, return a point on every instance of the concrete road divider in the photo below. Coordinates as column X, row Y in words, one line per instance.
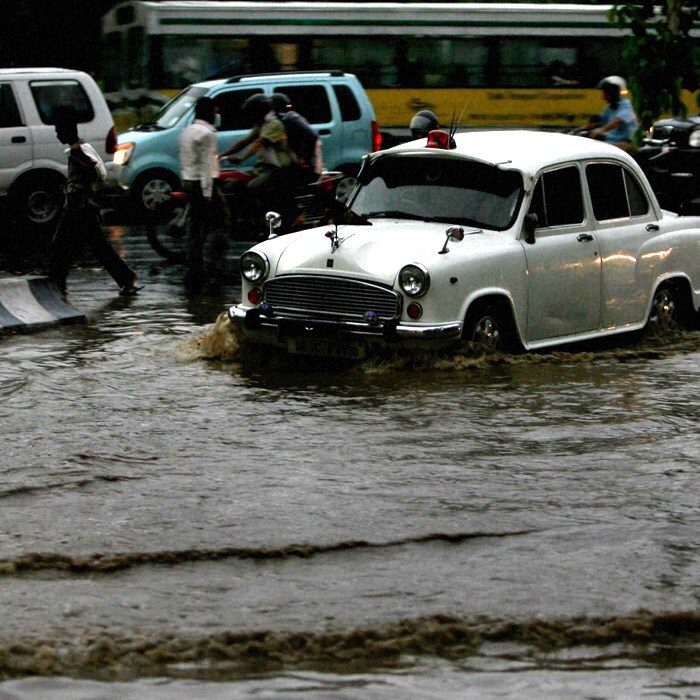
column 31, row 303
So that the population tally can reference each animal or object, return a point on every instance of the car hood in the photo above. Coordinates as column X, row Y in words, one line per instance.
column 374, row 252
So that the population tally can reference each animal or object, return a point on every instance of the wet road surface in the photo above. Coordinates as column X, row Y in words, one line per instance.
column 182, row 517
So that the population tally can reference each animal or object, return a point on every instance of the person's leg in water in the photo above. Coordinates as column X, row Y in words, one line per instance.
column 194, row 273
column 217, row 229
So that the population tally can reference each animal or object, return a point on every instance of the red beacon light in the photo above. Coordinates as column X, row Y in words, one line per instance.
column 440, row 139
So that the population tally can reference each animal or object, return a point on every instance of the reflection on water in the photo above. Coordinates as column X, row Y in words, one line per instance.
column 178, row 504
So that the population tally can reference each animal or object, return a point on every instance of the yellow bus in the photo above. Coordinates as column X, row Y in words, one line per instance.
column 494, row 64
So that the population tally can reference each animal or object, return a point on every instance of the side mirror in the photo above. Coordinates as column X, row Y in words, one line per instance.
column 530, row 224
column 454, row 233
column 273, row 220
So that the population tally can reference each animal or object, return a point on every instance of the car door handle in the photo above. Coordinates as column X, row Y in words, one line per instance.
column 325, row 132
column 652, row 227
column 19, row 139
column 584, row 237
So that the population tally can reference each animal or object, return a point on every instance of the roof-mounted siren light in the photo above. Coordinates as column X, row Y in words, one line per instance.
column 440, row 139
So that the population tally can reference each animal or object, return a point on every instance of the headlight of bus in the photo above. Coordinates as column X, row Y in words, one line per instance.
column 414, row 280
column 694, row 139
column 254, row 267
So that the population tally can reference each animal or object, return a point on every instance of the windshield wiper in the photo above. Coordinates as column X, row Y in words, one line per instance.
column 393, row 214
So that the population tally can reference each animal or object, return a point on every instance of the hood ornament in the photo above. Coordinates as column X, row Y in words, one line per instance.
column 335, row 241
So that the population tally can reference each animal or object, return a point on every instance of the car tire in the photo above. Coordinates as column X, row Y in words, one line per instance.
column 37, row 199
column 153, row 188
column 671, row 309
column 489, row 325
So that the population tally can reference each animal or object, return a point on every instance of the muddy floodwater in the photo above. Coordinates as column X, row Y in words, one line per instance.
column 182, row 517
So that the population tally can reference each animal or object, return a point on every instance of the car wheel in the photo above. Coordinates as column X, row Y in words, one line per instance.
column 490, row 326
column 38, row 199
column 153, row 188
column 670, row 309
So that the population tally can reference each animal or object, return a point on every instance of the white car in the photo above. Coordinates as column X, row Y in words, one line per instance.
column 513, row 239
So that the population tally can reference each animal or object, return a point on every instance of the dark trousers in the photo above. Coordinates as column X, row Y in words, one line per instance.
column 77, row 229
column 207, row 238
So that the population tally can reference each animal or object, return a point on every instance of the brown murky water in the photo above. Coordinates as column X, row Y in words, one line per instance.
column 183, row 517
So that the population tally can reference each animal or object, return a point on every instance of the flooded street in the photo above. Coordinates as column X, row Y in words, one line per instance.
column 184, row 518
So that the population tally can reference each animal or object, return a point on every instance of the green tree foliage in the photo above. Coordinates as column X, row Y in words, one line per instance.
column 659, row 56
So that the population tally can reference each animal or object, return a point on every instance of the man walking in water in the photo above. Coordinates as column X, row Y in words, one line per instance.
column 80, row 221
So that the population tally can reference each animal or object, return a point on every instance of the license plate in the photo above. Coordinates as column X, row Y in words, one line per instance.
column 325, row 348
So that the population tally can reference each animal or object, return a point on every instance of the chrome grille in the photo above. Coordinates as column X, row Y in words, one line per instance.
column 321, row 295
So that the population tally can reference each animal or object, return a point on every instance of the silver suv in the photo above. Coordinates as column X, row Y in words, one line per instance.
column 33, row 162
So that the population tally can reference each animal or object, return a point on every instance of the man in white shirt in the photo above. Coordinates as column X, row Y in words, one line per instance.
column 199, row 168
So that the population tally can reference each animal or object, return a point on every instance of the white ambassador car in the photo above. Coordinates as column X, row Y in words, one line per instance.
column 513, row 239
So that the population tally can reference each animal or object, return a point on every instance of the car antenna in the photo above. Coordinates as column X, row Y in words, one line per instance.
column 454, row 125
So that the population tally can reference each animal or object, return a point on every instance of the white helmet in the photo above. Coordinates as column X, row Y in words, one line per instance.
column 616, row 80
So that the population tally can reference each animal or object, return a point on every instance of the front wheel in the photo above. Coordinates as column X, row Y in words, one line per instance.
column 167, row 229
column 489, row 325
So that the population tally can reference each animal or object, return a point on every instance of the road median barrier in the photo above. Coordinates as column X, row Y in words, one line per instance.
column 32, row 303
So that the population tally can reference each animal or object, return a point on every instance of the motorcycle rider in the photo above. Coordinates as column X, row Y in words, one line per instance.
column 617, row 123
column 268, row 139
column 423, row 122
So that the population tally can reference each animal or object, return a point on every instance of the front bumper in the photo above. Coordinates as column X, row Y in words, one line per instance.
column 277, row 329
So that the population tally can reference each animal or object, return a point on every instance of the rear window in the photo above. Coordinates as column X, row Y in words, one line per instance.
column 311, row 101
column 349, row 108
column 9, row 111
column 49, row 95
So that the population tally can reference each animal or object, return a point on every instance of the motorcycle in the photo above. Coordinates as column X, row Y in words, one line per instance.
column 244, row 218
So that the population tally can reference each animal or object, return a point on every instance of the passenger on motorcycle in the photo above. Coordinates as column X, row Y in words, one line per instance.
column 617, row 122
column 303, row 140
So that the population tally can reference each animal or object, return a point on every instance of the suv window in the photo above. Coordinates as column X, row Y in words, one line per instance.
column 229, row 104
column 9, row 111
column 311, row 101
column 557, row 199
column 349, row 109
column 50, row 94
column 615, row 193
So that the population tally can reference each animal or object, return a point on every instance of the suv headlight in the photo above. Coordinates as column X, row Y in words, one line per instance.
column 414, row 280
column 254, row 267
column 694, row 139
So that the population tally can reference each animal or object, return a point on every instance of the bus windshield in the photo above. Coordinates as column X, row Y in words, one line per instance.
column 171, row 113
column 449, row 190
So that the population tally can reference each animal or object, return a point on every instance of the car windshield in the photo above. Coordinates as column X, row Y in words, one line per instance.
column 171, row 113
column 449, row 190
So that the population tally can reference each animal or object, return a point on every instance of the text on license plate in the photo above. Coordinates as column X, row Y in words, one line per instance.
column 325, row 348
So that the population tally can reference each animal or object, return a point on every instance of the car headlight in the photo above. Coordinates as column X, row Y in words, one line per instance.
column 414, row 280
column 694, row 139
column 123, row 153
column 254, row 267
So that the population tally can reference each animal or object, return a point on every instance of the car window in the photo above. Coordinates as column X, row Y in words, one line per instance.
column 615, row 193
column 229, row 104
column 9, row 111
column 52, row 94
column 557, row 199
column 311, row 101
column 439, row 189
column 639, row 204
column 349, row 108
